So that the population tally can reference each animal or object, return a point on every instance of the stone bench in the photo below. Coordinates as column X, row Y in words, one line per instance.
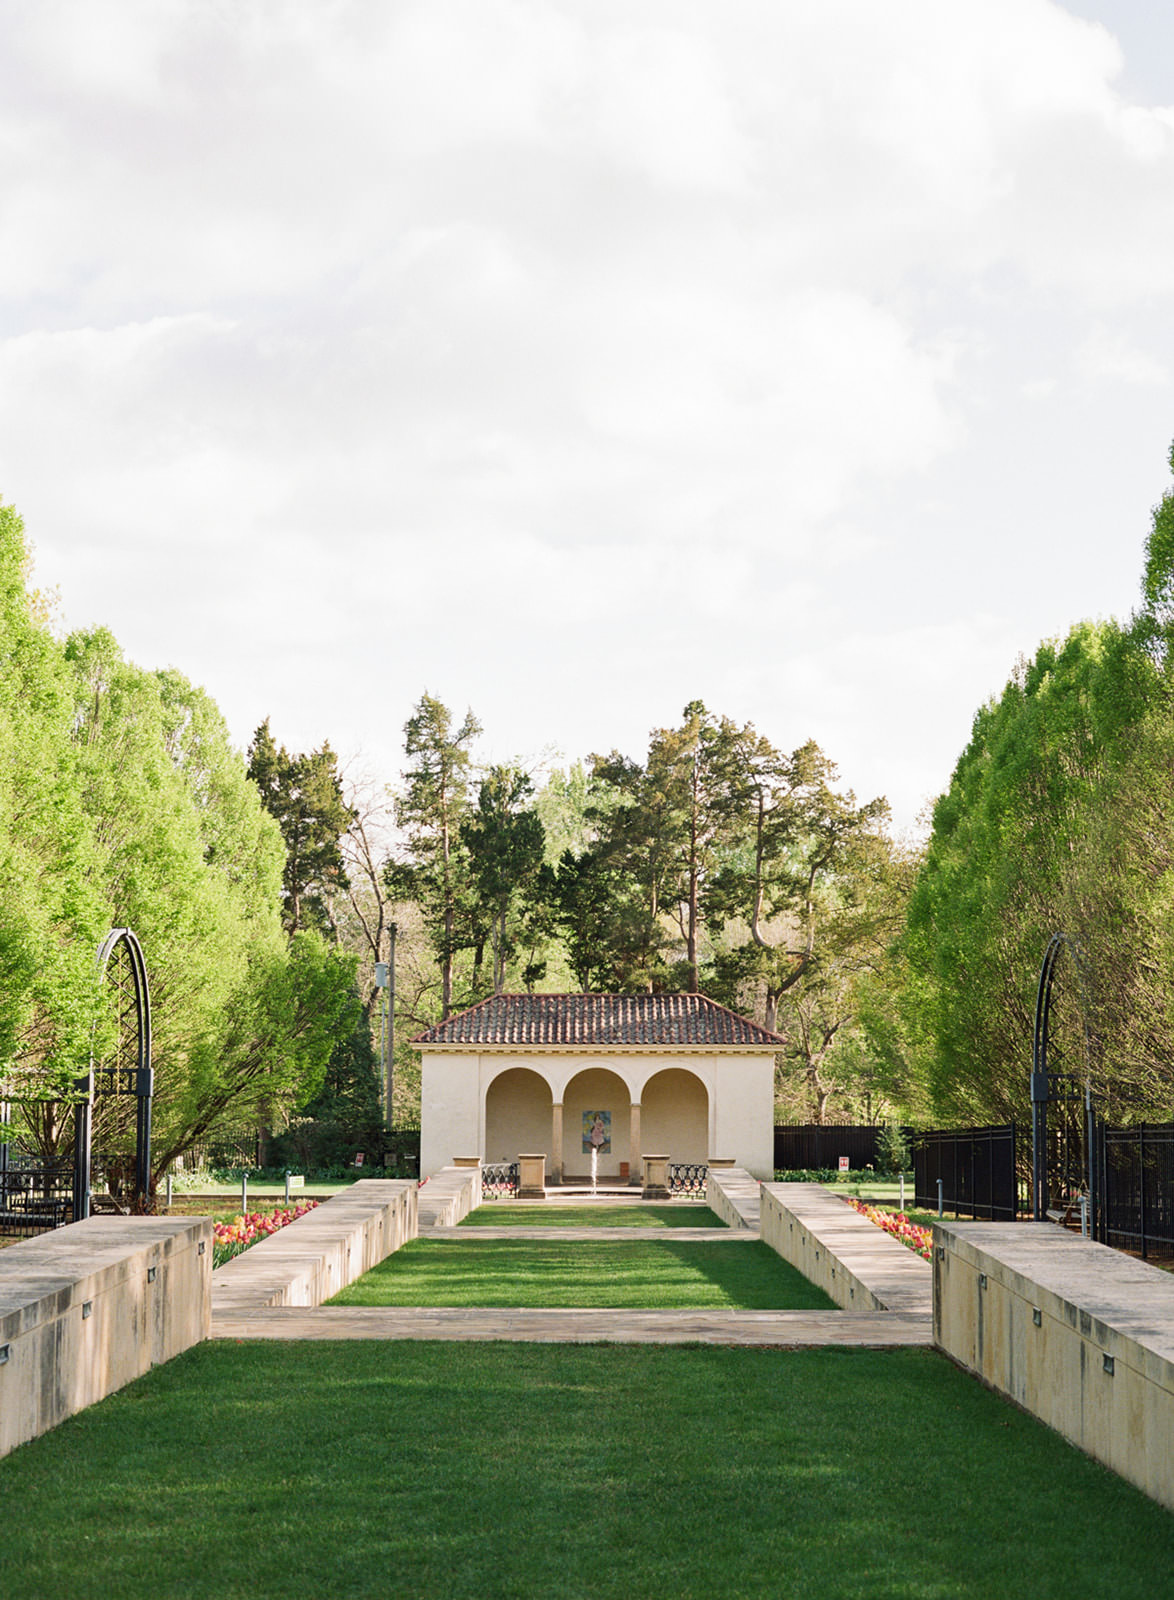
column 91, row 1306
column 1078, row 1334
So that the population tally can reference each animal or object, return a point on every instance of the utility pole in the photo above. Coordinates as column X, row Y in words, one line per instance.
column 385, row 979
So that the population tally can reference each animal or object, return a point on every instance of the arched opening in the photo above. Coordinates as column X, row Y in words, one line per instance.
column 598, row 1100
column 517, row 1115
column 674, row 1116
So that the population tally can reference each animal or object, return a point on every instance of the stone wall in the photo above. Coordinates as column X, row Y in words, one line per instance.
column 89, row 1307
column 1074, row 1332
column 852, row 1260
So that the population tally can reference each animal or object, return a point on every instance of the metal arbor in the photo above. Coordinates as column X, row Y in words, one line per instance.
column 125, row 1072
column 1069, row 1146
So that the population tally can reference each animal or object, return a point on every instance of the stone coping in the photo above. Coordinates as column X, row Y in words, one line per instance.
column 1123, row 1306
column 43, row 1277
column 314, row 1257
column 856, row 1262
column 734, row 1196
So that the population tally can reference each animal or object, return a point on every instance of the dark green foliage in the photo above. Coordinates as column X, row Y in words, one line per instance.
column 304, row 794
column 505, row 844
column 438, row 875
column 346, row 1114
column 510, row 1471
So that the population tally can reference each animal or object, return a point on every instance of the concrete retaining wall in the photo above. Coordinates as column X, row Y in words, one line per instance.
column 89, row 1307
column 852, row 1260
column 319, row 1254
column 1076, row 1333
column 448, row 1196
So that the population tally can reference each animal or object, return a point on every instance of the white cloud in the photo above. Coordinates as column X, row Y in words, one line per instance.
column 641, row 340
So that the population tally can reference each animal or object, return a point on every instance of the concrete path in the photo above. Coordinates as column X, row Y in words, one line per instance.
column 789, row 1330
column 685, row 1235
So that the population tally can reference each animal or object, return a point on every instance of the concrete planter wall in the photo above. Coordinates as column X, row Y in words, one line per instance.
column 89, row 1307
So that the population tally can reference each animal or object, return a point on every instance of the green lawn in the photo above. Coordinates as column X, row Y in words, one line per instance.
column 332, row 1471
column 504, row 1214
column 597, row 1272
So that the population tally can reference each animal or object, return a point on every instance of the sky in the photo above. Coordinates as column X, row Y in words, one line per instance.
column 571, row 360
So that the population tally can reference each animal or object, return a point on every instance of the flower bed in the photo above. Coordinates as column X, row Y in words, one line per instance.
column 898, row 1224
column 229, row 1239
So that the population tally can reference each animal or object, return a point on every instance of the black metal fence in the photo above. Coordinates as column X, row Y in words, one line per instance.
column 976, row 1168
column 1136, row 1199
column 34, row 1196
column 686, row 1177
column 809, row 1145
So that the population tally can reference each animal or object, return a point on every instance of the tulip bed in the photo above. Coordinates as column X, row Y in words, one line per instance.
column 917, row 1238
column 230, row 1239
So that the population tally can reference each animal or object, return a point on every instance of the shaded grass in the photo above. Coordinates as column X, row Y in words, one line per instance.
column 513, row 1472
column 627, row 1273
column 503, row 1214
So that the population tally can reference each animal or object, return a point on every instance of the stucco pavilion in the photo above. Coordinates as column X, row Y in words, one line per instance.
column 673, row 1074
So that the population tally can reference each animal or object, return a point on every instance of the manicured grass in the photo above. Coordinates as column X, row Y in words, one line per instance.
column 504, row 1214
column 597, row 1272
column 557, row 1472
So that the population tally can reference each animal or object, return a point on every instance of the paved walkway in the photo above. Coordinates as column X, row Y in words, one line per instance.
column 686, row 1235
column 789, row 1330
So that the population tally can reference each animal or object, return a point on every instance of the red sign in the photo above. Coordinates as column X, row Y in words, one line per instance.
column 843, row 1163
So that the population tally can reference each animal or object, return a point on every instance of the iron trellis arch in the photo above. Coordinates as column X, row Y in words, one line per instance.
column 1040, row 1078
column 142, row 1073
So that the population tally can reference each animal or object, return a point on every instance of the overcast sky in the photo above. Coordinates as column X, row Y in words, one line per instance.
column 572, row 359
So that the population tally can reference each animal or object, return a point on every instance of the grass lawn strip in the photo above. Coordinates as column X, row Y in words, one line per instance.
column 637, row 1273
column 503, row 1214
column 504, row 1472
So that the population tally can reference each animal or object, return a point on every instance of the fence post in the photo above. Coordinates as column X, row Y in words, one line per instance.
column 1141, row 1175
column 940, row 1211
column 244, row 1191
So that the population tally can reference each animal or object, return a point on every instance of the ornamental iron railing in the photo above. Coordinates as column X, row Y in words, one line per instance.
column 687, row 1177
column 499, row 1179
column 34, row 1196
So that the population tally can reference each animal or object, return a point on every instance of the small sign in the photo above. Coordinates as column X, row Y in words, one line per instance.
column 843, row 1163
column 359, row 1159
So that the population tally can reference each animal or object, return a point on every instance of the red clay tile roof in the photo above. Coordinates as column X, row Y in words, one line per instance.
column 599, row 1019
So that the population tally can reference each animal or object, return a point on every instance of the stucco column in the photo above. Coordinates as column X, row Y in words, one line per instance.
column 636, row 1166
column 556, row 1142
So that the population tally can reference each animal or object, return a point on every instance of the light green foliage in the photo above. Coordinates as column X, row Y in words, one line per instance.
column 1059, row 817
column 188, row 857
column 122, row 804
column 51, row 914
